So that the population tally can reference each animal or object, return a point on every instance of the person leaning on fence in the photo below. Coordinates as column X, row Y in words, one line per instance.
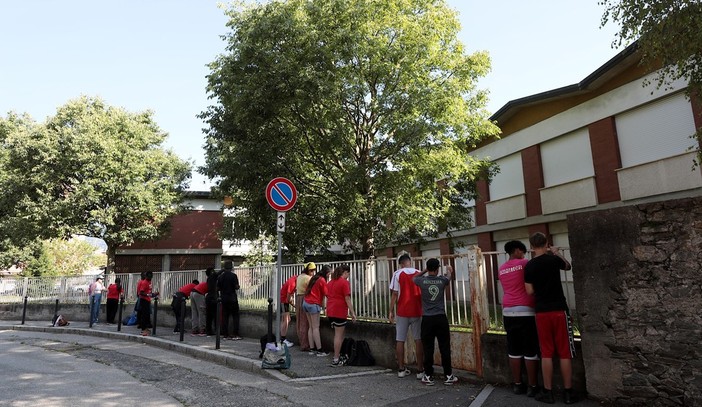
column 542, row 278
column 315, row 295
column 198, row 310
column 114, row 292
column 434, row 321
column 339, row 307
column 287, row 295
column 519, row 321
column 95, row 293
column 211, row 301
column 179, row 297
column 228, row 284
column 302, row 324
column 406, row 313
column 144, row 289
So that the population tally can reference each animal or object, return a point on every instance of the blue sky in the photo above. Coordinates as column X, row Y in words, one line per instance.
column 152, row 54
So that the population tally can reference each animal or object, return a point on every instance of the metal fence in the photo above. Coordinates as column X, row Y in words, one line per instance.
column 369, row 281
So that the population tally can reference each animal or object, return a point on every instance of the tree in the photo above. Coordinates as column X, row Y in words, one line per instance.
column 92, row 170
column 669, row 34
column 369, row 107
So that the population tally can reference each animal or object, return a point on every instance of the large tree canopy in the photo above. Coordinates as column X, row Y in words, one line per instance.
column 368, row 106
column 669, row 34
column 92, row 170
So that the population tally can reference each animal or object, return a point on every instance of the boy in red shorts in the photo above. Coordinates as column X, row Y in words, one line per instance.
column 542, row 278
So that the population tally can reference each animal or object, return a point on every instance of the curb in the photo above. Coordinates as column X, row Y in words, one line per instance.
column 214, row 356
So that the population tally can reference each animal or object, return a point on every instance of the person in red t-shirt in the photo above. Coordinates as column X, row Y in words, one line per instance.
column 114, row 291
column 518, row 317
column 339, row 307
column 314, row 301
column 406, row 312
column 144, row 290
column 287, row 293
column 198, row 309
column 179, row 297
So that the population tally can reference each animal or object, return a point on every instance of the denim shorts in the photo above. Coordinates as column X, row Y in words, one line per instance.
column 311, row 308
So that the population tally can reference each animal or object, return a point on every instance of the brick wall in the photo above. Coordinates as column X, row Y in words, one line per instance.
column 638, row 285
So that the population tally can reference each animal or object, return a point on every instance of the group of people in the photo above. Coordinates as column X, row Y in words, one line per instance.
column 114, row 293
column 536, row 317
column 417, row 306
column 311, row 293
column 203, row 303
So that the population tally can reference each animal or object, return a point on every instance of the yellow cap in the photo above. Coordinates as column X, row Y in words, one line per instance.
column 310, row 266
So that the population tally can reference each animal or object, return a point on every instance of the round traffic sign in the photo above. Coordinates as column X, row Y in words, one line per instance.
column 281, row 194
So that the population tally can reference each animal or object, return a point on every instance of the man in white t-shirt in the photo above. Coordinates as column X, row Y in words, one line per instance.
column 406, row 313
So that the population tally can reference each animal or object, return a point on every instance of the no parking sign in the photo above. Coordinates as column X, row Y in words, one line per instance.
column 281, row 194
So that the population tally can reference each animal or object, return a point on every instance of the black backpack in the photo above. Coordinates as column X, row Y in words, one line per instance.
column 360, row 354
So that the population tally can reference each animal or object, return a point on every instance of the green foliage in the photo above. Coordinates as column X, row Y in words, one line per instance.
column 669, row 34
column 40, row 266
column 91, row 169
column 365, row 105
column 262, row 252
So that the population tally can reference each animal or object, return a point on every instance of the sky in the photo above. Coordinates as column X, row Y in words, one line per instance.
column 153, row 54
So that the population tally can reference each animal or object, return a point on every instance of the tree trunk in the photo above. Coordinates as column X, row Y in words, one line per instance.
column 110, row 267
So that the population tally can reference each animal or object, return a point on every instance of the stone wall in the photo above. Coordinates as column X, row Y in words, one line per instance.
column 638, row 277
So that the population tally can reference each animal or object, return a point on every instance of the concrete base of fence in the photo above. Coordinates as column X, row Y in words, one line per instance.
column 380, row 337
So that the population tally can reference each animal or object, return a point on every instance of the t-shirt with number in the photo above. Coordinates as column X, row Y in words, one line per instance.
column 409, row 298
column 432, row 288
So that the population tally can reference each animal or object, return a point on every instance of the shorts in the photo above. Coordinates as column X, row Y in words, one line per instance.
column 311, row 308
column 522, row 339
column 555, row 333
column 402, row 325
column 338, row 322
column 284, row 307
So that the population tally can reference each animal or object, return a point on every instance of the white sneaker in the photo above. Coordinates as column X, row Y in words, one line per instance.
column 420, row 375
column 427, row 380
column 404, row 372
column 288, row 343
column 451, row 379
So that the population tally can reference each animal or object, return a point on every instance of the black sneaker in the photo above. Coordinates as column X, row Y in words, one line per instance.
column 337, row 363
column 519, row 388
column 569, row 397
column 532, row 391
column 546, row 396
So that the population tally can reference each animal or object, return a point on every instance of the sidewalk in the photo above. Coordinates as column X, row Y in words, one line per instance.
column 243, row 355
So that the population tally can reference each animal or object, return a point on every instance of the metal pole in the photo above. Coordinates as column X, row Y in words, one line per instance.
column 119, row 313
column 56, row 308
column 218, row 321
column 277, row 287
column 153, row 330
column 181, row 317
column 24, row 310
column 92, row 304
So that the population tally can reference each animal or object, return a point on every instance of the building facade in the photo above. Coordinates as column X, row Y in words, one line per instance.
column 192, row 244
column 604, row 142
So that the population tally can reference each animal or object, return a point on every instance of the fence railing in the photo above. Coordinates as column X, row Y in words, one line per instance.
column 369, row 281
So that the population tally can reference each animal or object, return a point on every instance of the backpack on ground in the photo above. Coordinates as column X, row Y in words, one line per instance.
column 346, row 350
column 265, row 339
column 361, row 355
column 59, row 320
column 130, row 320
column 276, row 358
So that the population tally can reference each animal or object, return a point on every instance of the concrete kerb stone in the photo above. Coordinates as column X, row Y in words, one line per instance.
column 214, row 356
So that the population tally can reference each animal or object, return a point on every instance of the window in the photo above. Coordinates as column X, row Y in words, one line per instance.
column 510, row 180
column 567, row 158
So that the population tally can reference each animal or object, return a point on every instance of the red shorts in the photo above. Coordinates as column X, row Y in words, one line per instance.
column 555, row 333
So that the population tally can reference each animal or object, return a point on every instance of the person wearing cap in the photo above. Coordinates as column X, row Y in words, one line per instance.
column 95, row 292
column 228, row 284
column 301, row 324
column 406, row 313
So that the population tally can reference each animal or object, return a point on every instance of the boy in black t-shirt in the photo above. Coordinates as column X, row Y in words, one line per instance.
column 542, row 277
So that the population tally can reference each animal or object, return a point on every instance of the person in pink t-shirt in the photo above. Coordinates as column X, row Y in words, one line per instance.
column 518, row 316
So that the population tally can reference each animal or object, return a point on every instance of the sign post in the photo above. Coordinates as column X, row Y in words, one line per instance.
column 281, row 196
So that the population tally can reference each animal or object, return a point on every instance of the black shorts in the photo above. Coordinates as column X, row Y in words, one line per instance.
column 522, row 339
column 338, row 322
column 284, row 307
